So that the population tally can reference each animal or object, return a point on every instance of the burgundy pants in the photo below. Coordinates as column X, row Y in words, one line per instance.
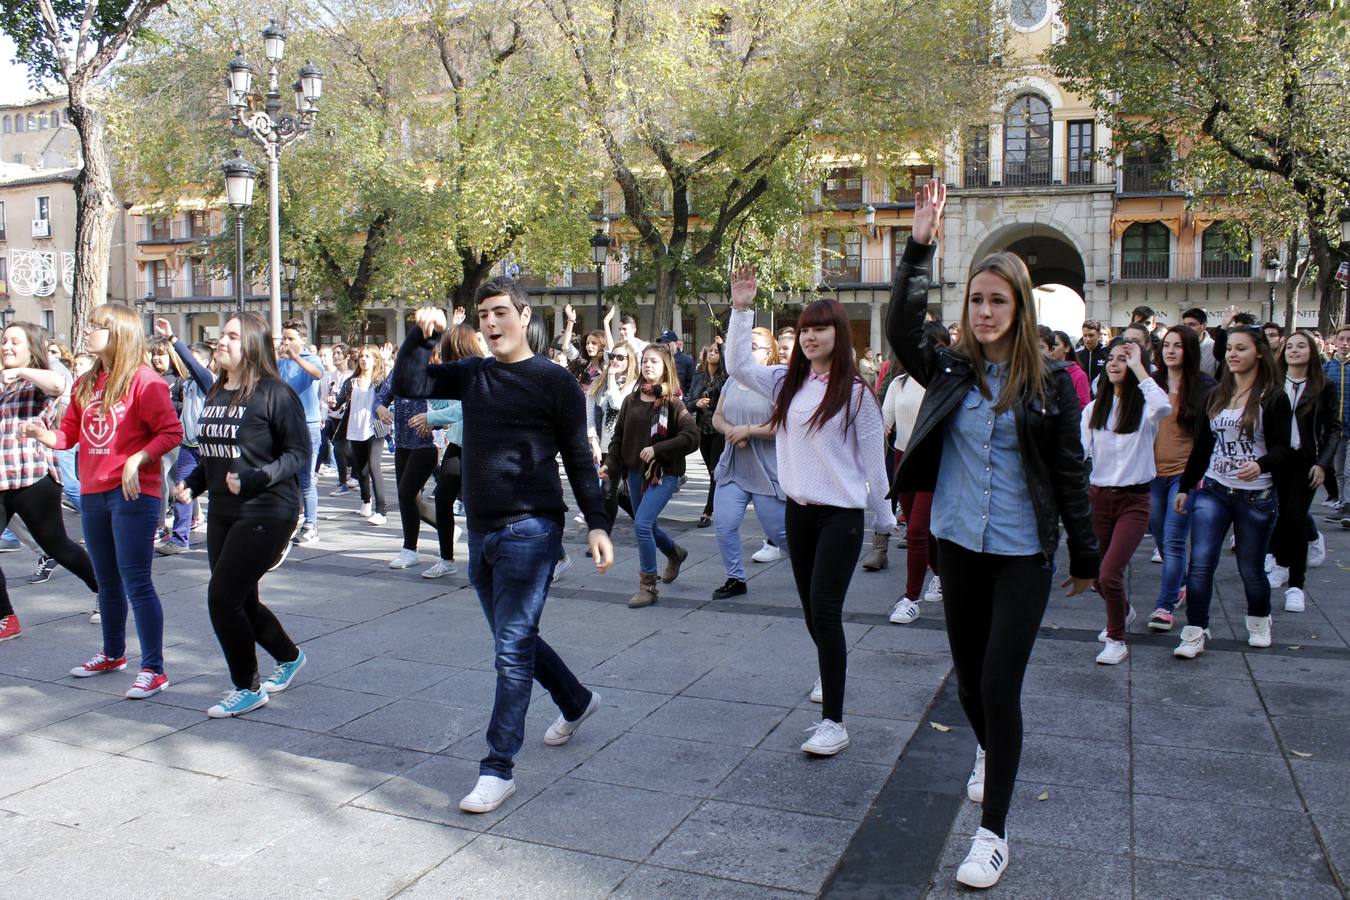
column 1120, row 520
column 921, row 554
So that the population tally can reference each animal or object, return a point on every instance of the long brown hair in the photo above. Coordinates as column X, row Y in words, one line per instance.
column 669, row 385
column 126, row 349
column 1191, row 392
column 843, row 369
column 1317, row 376
column 1026, row 368
column 631, row 371
column 703, row 361
column 1268, row 382
column 1131, row 399
column 257, row 358
column 162, row 344
column 37, row 344
column 458, row 342
column 377, row 371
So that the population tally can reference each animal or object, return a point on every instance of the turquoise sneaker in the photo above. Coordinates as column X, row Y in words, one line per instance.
column 283, row 674
column 237, row 702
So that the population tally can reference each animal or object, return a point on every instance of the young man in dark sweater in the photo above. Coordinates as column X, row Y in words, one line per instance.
column 520, row 412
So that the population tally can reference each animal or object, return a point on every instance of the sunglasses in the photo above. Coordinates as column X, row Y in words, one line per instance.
column 621, row 357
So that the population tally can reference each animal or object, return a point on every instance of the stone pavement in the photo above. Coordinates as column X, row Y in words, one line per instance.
column 1221, row 777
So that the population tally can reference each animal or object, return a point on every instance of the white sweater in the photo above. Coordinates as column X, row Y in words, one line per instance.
column 900, row 409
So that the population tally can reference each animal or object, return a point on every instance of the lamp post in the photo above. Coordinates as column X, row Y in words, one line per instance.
column 6, row 315
column 1272, row 278
column 240, row 176
column 145, row 306
column 599, row 253
column 272, row 131
column 291, row 269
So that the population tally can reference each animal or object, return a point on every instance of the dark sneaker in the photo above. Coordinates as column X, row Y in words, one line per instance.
column 734, row 587
column 307, row 535
column 43, row 572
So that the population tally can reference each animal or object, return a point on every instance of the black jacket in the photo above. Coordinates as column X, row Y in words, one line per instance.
column 1048, row 433
column 709, row 386
column 1319, row 428
column 1092, row 362
column 1276, row 424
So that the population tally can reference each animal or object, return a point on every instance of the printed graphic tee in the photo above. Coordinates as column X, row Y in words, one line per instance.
column 263, row 439
column 1233, row 449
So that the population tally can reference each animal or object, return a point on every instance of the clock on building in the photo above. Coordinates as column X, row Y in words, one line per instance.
column 1029, row 14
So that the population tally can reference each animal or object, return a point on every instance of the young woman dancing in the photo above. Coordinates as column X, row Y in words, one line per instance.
column 832, row 467
column 997, row 441
column 365, row 423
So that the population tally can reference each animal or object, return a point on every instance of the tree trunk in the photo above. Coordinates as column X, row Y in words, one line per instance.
column 475, row 269
column 667, row 290
column 95, row 214
column 1329, row 294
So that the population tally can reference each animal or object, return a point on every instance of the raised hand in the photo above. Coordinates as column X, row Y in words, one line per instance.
column 744, row 286
column 609, row 316
column 459, row 316
column 929, row 202
column 162, row 328
column 569, row 313
column 431, row 320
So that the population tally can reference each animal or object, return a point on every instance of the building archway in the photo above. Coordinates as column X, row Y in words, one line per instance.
column 1050, row 254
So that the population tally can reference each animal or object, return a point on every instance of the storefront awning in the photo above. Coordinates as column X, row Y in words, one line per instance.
column 1123, row 220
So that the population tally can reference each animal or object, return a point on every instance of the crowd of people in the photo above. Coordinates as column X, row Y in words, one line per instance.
column 994, row 441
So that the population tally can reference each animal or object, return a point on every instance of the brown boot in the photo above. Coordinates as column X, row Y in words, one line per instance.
column 673, row 562
column 877, row 558
column 646, row 592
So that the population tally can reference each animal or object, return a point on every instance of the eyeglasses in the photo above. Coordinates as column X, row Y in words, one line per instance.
column 756, row 348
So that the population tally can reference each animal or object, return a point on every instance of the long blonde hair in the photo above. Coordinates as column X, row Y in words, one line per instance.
column 1026, row 369
column 126, row 349
column 377, row 371
column 631, row 373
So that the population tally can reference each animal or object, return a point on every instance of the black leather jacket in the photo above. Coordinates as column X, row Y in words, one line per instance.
column 1048, row 432
column 1319, row 428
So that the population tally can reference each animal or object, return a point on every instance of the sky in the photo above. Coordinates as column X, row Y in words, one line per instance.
column 13, row 79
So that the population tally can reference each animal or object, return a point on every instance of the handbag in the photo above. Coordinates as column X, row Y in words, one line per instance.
column 381, row 430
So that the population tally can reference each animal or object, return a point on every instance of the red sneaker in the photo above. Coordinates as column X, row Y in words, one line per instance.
column 98, row 665
column 9, row 628
column 147, row 684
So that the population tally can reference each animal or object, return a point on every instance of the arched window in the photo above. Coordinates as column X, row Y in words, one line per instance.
column 8, row 125
column 42, row 120
column 1225, row 252
column 1144, row 251
column 18, row 122
column 32, row 122
column 1027, row 141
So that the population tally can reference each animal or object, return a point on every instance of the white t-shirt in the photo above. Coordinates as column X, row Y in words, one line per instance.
column 1232, row 449
column 359, row 416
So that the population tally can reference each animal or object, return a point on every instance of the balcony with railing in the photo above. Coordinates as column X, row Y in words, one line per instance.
column 176, row 230
column 850, row 271
column 181, row 289
column 1034, row 172
column 1184, row 266
column 1146, row 178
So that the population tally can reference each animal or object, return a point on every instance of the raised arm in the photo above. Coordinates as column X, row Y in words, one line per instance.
column 909, row 291
column 200, row 374
column 737, row 354
column 414, row 377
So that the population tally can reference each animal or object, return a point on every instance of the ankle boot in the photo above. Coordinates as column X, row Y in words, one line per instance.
column 674, row 560
column 877, row 558
column 646, row 592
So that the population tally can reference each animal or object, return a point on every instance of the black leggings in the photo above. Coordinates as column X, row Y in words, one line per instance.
column 342, row 452
column 39, row 505
column 448, row 483
column 824, row 543
column 994, row 605
column 412, row 468
column 1289, row 543
column 710, row 448
column 366, row 460
column 240, row 551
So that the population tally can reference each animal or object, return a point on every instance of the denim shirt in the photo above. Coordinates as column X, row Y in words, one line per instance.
column 981, row 501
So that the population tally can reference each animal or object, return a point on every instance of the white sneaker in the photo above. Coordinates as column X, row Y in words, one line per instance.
column 489, row 793
column 1157, row 557
column 406, row 559
column 1278, row 576
column 1113, row 653
column 905, row 611
column 444, row 567
column 1294, row 600
column 1270, row 563
column 1232, row 541
column 365, row 510
column 1192, row 644
column 934, row 592
column 817, row 693
column 561, row 731
column 377, row 519
column 1317, row 552
column 767, row 554
column 827, row 738
column 985, row 862
column 1130, row 616
column 562, row 568
column 1258, row 631
column 975, row 783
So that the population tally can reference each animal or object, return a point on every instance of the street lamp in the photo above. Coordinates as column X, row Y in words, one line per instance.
column 240, row 175
column 6, row 315
column 1345, row 226
column 1272, row 278
column 145, row 306
column 272, row 131
column 599, row 253
column 291, row 269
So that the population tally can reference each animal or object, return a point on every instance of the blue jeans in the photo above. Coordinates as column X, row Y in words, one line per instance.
column 70, row 479
column 119, row 535
column 1170, row 531
column 646, row 507
column 729, row 504
column 1252, row 514
column 511, row 568
column 309, row 485
column 188, row 461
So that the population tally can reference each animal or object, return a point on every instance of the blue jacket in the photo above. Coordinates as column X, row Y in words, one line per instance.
column 1338, row 373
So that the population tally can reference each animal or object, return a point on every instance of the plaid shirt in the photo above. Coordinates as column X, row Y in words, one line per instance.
column 24, row 461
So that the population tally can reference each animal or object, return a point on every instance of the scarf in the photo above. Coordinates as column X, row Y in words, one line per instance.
column 652, row 475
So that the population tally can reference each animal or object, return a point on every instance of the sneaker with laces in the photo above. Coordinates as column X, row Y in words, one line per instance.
column 308, row 534
column 732, row 587
column 1160, row 620
column 1156, row 558
column 170, row 547
column 283, row 674
column 767, row 554
column 147, row 684
column 562, row 568
column 827, row 738
column 561, row 731
column 99, row 664
column 1130, row 616
column 1258, row 631
column 1114, row 653
column 817, row 693
column 1294, row 600
column 365, row 510
column 1278, row 577
column 975, row 783
column 442, row 568
column 934, row 592
column 377, row 518
column 904, row 611
column 340, row 490
column 42, row 572
column 1317, row 552
column 9, row 628
column 489, row 793
column 985, row 862
column 1270, row 563
column 406, row 559
column 238, row 702
column 1192, row 644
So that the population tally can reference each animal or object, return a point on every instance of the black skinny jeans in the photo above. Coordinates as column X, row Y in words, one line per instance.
column 824, row 543
column 710, row 448
column 448, row 483
column 342, row 451
column 994, row 605
column 367, row 457
column 240, row 551
column 1289, row 543
column 412, row 468
column 39, row 505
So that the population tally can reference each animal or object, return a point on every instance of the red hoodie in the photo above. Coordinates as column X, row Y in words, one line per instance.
column 143, row 420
